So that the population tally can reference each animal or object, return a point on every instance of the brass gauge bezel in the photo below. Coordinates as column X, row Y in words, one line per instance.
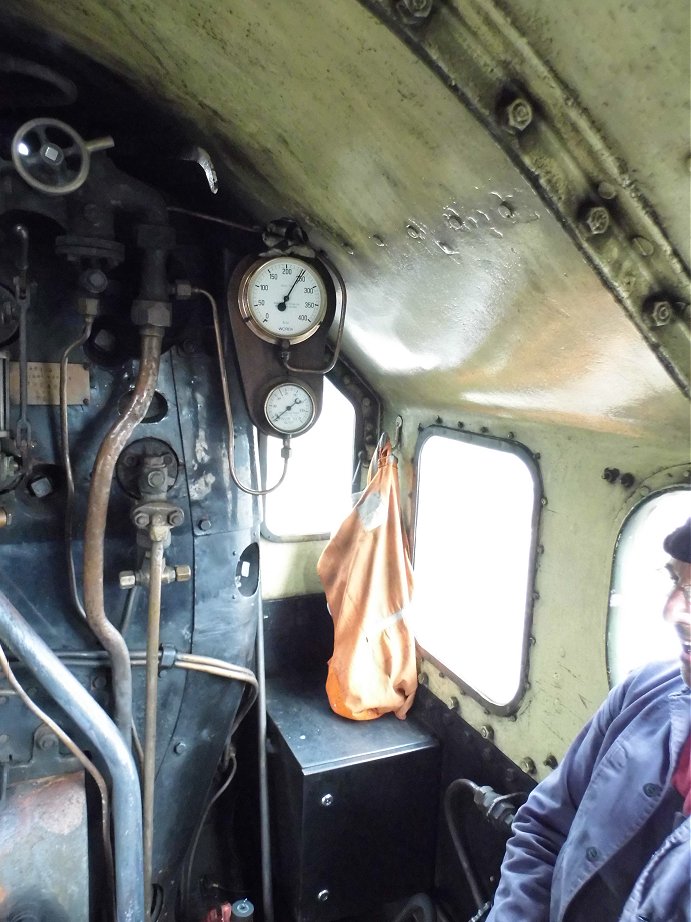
column 288, row 430
column 269, row 330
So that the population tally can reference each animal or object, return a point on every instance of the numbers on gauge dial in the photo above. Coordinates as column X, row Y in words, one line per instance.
column 289, row 408
column 286, row 299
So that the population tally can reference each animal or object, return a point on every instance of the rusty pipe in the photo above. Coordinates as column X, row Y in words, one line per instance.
column 152, row 644
column 94, row 535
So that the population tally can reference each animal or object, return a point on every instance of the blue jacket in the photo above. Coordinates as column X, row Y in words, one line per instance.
column 607, row 786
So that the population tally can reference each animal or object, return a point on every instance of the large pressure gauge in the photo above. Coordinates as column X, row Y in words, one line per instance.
column 290, row 408
column 282, row 298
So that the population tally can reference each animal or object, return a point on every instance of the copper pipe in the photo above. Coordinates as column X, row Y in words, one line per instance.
column 94, row 535
column 152, row 644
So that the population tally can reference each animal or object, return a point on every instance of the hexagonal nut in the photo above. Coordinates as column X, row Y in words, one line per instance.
column 151, row 313
column 176, row 517
column 518, row 114
column 414, row 12
column 127, row 579
column 597, row 219
column 658, row 313
column 181, row 290
column 141, row 519
column 183, row 573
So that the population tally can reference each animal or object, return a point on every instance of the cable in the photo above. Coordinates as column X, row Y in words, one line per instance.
column 458, row 844
column 250, row 228
column 189, row 861
column 285, row 451
column 83, row 759
column 67, row 464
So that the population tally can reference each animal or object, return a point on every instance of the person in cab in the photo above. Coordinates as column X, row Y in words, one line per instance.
column 607, row 835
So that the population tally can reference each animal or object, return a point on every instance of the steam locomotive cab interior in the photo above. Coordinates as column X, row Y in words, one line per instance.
column 242, row 245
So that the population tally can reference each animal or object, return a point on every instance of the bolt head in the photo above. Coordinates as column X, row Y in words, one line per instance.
column 327, row 800
column 597, row 219
column 528, row 766
column 176, row 517
column 141, row 519
column 486, row 732
column 205, row 524
column 47, row 741
column 180, row 747
column 323, row 896
column 518, row 114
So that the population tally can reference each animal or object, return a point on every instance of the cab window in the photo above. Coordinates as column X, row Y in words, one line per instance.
column 477, row 504
column 316, row 494
column 636, row 630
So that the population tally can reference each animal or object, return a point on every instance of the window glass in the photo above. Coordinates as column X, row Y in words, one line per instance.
column 474, row 537
column 315, row 496
column 636, row 630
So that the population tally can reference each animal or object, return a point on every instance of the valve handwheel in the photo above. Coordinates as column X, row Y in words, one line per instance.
column 51, row 157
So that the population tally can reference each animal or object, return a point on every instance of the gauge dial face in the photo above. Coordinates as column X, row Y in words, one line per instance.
column 290, row 408
column 283, row 298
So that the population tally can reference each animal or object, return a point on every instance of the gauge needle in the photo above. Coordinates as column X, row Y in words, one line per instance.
column 284, row 303
column 289, row 407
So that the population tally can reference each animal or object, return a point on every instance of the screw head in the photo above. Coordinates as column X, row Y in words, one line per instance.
column 518, row 114
column 597, row 219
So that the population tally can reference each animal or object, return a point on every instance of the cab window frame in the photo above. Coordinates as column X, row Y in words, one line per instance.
column 530, row 459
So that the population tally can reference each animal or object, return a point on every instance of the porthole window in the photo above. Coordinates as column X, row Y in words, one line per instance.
column 476, row 515
column 636, row 630
column 316, row 494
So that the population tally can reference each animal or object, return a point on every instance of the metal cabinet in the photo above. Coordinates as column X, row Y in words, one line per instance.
column 354, row 804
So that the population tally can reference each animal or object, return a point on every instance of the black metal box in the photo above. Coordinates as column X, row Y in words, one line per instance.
column 354, row 804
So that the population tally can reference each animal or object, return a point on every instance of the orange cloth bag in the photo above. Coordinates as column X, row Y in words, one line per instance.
column 368, row 579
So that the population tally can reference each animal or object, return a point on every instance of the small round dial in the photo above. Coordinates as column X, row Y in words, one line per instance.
column 290, row 408
column 283, row 298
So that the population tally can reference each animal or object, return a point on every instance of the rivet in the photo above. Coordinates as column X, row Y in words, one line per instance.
column 506, row 211
column 413, row 231
column 180, row 747
column 607, row 191
column 378, row 240
column 454, row 222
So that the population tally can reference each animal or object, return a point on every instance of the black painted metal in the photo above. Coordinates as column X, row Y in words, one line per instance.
column 354, row 803
column 215, row 613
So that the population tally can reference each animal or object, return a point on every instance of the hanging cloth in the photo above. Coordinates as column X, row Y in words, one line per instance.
column 368, row 579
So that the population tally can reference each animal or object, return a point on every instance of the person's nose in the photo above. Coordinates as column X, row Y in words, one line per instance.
column 677, row 609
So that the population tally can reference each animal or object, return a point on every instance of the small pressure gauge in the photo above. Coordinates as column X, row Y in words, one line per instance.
column 282, row 298
column 290, row 408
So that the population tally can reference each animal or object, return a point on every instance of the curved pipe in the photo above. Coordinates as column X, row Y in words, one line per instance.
column 73, row 698
column 94, row 535
column 419, row 908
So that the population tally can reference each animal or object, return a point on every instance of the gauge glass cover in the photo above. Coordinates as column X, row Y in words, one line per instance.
column 290, row 408
column 283, row 298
